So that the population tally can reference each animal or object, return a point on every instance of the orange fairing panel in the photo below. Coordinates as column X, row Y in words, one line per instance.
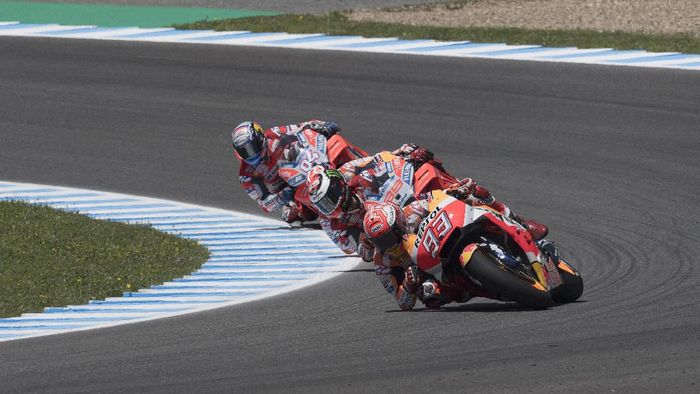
column 562, row 265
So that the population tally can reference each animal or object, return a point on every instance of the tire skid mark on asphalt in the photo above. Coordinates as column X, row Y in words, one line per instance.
column 233, row 274
column 620, row 256
column 462, row 49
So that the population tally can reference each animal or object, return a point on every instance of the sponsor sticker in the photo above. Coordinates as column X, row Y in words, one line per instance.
column 424, row 223
column 407, row 175
column 297, row 180
column 321, row 144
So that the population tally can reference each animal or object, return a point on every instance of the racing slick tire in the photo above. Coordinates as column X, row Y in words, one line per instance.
column 505, row 285
column 572, row 288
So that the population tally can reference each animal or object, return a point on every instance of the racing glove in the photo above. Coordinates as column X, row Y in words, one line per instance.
column 462, row 189
column 411, row 280
column 327, row 129
column 406, row 295
column 421, row 156
column 291, row 212
column 482, row 195
column 405, row 149
column 366, row 249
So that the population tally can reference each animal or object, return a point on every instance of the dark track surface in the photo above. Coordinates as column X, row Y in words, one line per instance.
column 607, row 156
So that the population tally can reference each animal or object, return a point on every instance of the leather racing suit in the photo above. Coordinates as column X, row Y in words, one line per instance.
column 363, row 176
column 400, row 275
column 262, row 182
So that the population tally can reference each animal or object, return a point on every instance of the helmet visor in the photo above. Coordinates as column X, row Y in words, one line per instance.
column 329, row 203
column 249, row 150
column 387, row 240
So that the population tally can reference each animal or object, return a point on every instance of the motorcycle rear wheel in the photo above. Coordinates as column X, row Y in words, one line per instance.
column 505, row 285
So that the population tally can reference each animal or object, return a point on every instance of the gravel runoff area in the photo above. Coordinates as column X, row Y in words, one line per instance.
column 282, row 6
column 648, row 16
column 652, row 16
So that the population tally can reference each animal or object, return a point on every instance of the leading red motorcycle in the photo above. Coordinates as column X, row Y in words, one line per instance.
column 474, row 251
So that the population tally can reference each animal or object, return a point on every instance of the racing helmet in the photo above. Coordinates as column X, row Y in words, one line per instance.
column 385, row 225
column 328, row 191
column 249, row 142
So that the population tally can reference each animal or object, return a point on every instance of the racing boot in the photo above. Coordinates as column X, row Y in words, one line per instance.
column 431, row 295
column 537, row 230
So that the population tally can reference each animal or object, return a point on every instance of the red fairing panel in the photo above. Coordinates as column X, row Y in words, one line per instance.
column 434, row 231
column 340, row 151
column 428, row 178
column 521, row 236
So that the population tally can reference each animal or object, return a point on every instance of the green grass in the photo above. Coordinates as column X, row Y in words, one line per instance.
column 56, row 258
column 338, row 24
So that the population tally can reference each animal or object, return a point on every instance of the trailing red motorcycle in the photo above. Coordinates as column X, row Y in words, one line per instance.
column 399, row 180
column 311, row 149
column 474, row 251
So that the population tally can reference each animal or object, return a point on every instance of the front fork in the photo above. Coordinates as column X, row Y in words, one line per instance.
column 547, row 271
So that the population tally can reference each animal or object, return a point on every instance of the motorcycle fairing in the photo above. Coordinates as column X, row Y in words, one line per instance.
column 446, row 214
column 546, row 271
column 428, row 177
column 301, row 195
column 515, row 231
column 340, row 151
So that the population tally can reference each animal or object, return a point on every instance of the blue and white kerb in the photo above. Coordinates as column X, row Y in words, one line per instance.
column 462, row 49
column 251, row 258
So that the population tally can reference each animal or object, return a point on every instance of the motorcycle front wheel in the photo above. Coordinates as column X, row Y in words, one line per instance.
column 504, row 285
column 572, row 288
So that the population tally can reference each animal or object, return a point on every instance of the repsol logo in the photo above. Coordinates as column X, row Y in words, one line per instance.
column 424, row 223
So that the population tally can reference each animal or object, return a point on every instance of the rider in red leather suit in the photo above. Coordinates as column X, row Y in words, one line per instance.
column 343, row 197
column 385, row 224
column 259, row 153
column 341, row 203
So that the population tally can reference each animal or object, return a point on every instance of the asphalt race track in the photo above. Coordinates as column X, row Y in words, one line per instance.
column 607, row 156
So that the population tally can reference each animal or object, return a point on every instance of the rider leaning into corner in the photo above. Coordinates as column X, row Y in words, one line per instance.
column 339, row 195
column 386, row 225
column 260, row 151
column 382, row 227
